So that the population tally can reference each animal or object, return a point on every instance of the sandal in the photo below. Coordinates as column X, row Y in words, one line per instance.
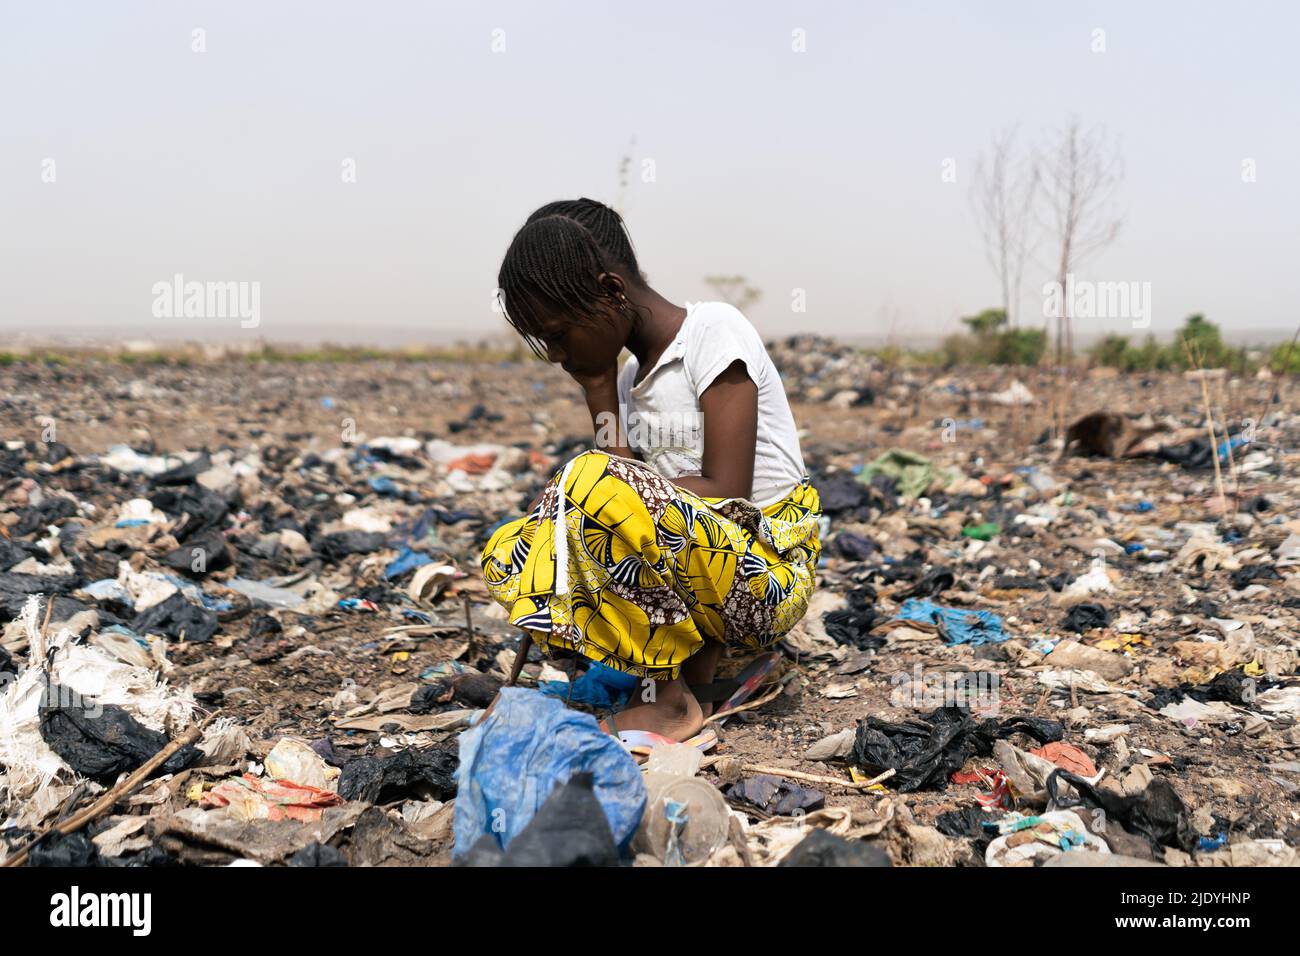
column 643, row 741
column 734, row 691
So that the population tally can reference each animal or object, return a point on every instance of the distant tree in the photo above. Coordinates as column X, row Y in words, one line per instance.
column 624, row 169
column 734, row 289
column 991, row 343
column 1111, row 351
column 987, row 322
column 1002, row 194
column 1080, row 172
column 1207, row 346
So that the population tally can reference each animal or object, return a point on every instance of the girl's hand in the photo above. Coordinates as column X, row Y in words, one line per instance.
column 601, row 391
column 601, row 383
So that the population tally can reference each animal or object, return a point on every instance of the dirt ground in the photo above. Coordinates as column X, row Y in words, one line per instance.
column 1239, row 777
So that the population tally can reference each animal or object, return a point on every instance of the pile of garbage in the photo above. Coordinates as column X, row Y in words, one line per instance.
column 137, row 587
column 1031, row 644
column 817, row 369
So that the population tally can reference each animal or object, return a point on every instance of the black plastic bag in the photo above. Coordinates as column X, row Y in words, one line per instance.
column 39, row 517
column 1195, row 454
column 1158, row 813
column 925, row 751
column 150, row 856
column 570, row 829
column 213, row 554
column 318, row 854
column 411, row 774
column 935, row 582
column 823, row 848
column 852, row 625
column 1014, row 582
column 58, row 849
column 854, row 547
column 177, row 618
column 843, row 497
column 1233, row 687
column 200, row 509
column 184, row 473
column 467, row 690
column 15, row 589
column 1084, row 617
column 966, row 822
column 333, row 547
column 102, row 741
column 13, row 552
column 1251, row 573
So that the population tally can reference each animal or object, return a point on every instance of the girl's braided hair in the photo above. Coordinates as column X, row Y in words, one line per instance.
column 553, row 266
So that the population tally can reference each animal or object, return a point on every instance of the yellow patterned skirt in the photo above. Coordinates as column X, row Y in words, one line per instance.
column 645, row 572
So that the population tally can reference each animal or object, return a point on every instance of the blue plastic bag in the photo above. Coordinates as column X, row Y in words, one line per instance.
column 511, row 760
column 406, row 560
column 958, row 625
column 600, row 687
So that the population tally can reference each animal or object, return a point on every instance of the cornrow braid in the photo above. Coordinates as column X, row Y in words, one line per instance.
column 553, row 267
column 606, row 227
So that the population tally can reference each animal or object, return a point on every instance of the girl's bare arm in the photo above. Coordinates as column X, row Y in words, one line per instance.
column 730, row 407
column 602, row 402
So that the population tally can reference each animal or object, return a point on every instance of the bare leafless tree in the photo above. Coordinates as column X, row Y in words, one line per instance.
column 624, row 169
column 1080, row 171
column 1002, row 194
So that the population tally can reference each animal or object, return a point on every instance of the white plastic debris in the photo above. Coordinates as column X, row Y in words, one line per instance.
column 294, row 761
column 1096, row 581
column 137, row 510
column 29, row 764
column 1014, row 394
column 126, row 459
column 430, row 581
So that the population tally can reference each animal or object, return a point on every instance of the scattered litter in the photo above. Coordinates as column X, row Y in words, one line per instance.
column 517, row 755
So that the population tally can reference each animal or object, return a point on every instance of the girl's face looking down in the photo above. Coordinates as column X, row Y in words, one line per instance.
column 584, row 348
column 559, row 290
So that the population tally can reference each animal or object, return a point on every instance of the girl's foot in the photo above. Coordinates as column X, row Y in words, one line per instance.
column 673, row 713
column 701, row 668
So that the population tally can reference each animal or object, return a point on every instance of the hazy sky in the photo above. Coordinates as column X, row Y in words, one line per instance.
column 818, row 170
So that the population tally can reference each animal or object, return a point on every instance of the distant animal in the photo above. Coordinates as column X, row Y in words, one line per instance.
column 1106, row 434
column 1096, row 434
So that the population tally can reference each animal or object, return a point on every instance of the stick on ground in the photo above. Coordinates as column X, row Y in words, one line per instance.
column 121, row 789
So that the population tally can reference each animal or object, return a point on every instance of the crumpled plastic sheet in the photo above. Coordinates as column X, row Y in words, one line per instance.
column 956, row 625
column 569, row 830
column 924, row 751
column 600, row 687
column 409, row 774
column 526, row 747
column 776, row 795
column 256, row 798
column 102, row 741
column 1158, row 813
column 914, row 473
column 27, row 760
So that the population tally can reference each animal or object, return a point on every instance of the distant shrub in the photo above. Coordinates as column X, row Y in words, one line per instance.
column 989, row 342
column 1197, row 335
column 1020, row 346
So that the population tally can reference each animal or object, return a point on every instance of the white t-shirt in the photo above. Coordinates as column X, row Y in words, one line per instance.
column 662, row 412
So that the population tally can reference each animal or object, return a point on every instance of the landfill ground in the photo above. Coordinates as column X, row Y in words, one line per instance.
column 1174, row 615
